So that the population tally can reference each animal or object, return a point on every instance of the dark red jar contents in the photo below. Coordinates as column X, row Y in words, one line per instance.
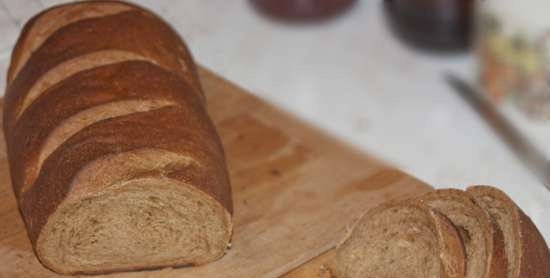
column 302, row 10
column 441, row 25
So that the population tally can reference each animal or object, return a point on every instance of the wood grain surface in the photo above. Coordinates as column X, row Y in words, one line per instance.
column 295, row 191
column 319, row 267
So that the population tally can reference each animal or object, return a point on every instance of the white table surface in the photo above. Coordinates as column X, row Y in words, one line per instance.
column 351, row 78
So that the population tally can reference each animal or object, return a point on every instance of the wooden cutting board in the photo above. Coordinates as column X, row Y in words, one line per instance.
column 295, row 191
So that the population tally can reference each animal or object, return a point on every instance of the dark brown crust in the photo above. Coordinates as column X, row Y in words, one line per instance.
column 184, row 130
column 133, row 80
column 18, row 49
column 121, row 269
column 498, row 262
column 134, row 31
column 534, row 254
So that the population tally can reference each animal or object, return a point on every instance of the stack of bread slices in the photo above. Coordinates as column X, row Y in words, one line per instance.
column 448, row 233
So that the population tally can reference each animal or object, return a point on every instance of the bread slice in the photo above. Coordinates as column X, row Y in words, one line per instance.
column 482, row 239
column 83, row 99
column 40, row 27
column 131, row 35
column 141, row 191
column 527, row 252
column 401, row 240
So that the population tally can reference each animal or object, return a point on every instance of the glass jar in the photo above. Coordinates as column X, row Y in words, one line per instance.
column 513, row 45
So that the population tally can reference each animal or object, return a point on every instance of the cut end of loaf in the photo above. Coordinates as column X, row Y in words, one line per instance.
column 141, row 224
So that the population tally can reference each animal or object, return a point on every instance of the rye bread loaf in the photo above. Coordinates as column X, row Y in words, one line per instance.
column 401, row 240
column 134, row 34
column 116, row 166
column 482, row 239
column 527, row 252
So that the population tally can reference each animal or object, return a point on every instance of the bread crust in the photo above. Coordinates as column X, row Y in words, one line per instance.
column 533, row 254
column 134, row 31
column 52, row 19
column 132, row 80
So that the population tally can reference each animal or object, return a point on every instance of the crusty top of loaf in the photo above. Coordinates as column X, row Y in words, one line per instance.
column 48, row 21
column 132, row 80
column 132, row 31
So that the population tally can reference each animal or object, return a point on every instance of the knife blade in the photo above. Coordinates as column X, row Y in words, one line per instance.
column 522, row 147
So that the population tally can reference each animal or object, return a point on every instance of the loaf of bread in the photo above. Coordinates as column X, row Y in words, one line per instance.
column 401, row 240
column 498, row 239
column 114, row 160
column 527, row 252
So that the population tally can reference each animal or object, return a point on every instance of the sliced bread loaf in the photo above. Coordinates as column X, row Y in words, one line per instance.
column 401, row 240
column 527, row 252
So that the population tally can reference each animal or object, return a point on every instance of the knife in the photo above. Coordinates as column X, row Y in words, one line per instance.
column 528, row 153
